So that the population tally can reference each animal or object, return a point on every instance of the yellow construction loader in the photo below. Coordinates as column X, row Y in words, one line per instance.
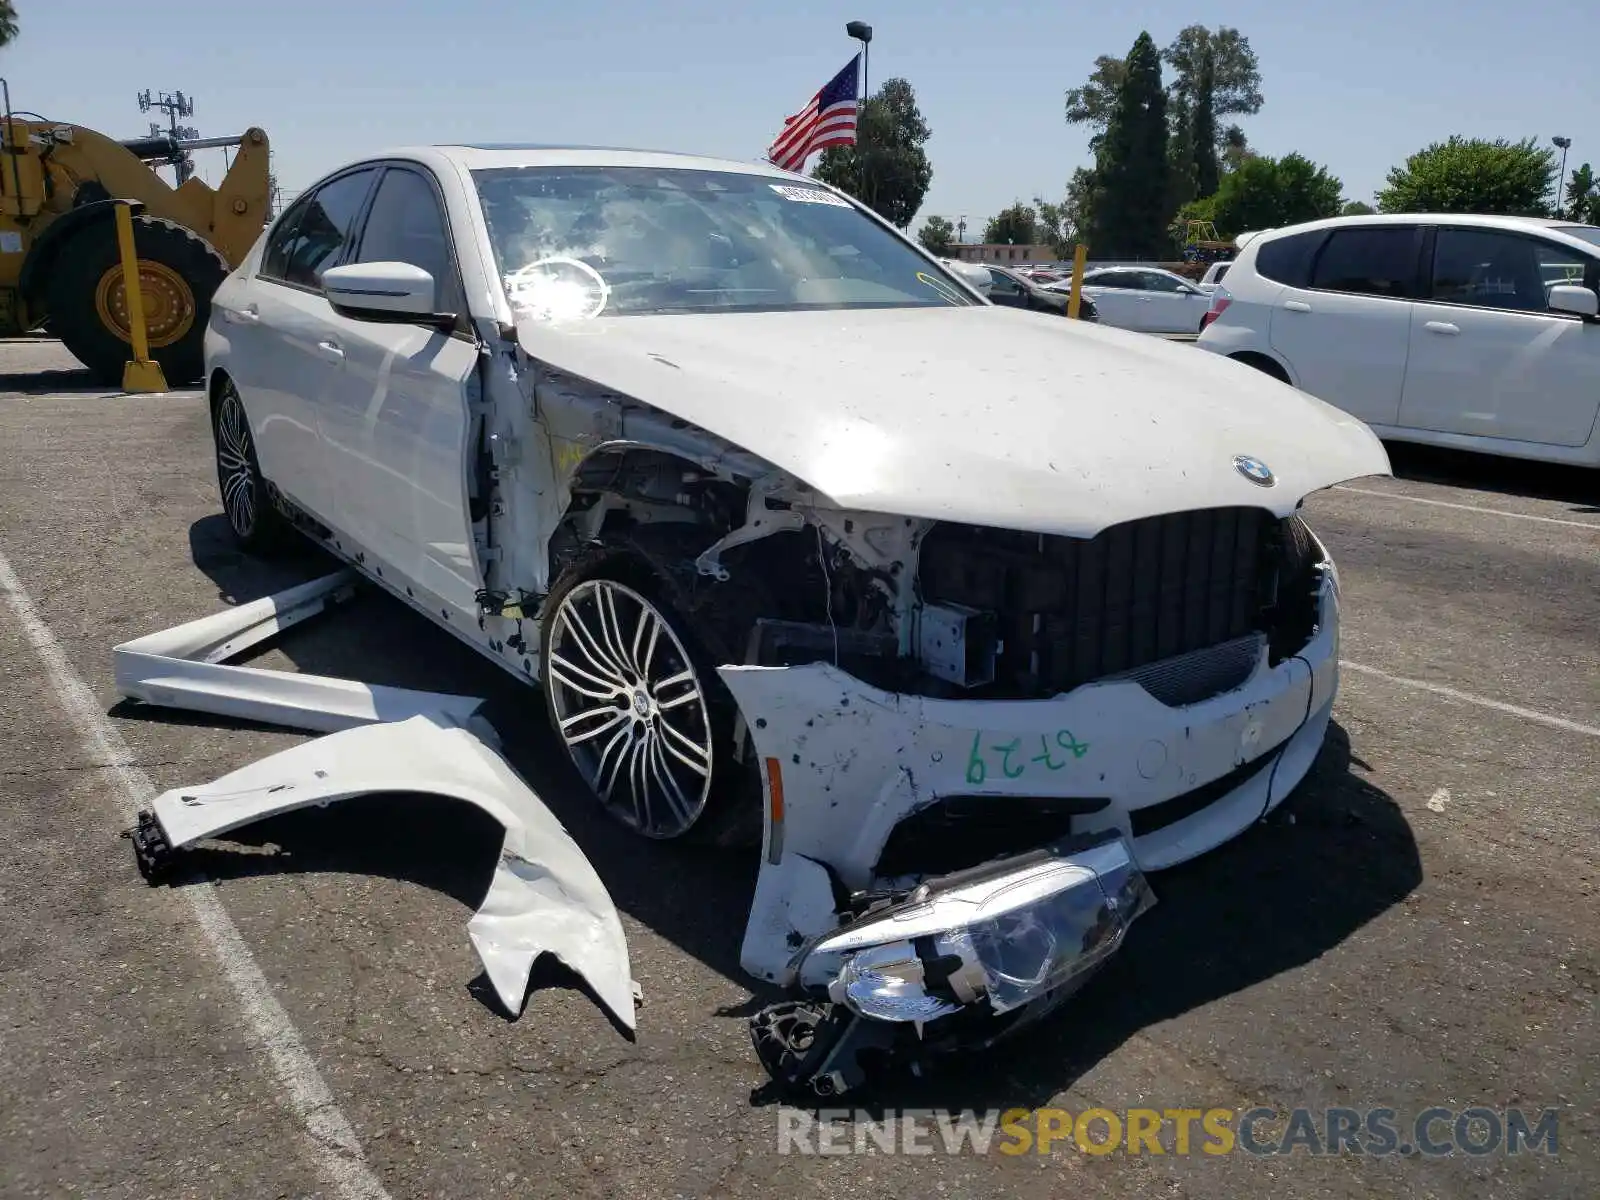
column 59, row 262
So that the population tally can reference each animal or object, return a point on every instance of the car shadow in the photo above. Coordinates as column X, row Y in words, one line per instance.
column 1578, row 487
column 1335, row 856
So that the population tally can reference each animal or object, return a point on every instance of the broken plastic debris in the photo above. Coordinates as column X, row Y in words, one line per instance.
column 545, row 897
column 185, row 667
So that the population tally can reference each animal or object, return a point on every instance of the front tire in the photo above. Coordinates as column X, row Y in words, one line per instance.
column 635, row 699
column 255, row 523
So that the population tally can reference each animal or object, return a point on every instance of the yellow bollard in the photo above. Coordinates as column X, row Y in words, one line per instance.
column 140, row 375
column 1080, row 256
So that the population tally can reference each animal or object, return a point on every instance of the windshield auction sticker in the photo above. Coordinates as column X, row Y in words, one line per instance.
column 802, row 195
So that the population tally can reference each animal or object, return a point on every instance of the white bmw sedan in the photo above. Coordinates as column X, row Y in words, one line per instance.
column 796, row 531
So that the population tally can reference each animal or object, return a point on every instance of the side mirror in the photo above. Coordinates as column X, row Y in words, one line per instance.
column 1579, row 301
column 393, row 292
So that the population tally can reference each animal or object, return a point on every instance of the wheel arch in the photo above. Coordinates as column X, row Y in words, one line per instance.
column 1263, row 362
column 612, row 460
column 214, row 382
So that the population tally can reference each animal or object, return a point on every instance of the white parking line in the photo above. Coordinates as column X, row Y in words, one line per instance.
column 1472, row 508
column 1439, row 689
column 333, row 1140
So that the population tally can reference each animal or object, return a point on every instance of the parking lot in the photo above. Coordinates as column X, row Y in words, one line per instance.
column 1416, row 927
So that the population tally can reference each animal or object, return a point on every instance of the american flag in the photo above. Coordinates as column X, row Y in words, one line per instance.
column 829, row 120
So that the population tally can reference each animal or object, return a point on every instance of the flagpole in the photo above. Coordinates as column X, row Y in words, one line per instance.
column 861, row 32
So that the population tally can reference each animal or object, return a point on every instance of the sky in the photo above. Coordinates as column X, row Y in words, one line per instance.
column 1355, row 86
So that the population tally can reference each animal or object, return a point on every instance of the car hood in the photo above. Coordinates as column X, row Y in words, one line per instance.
column 979, row 414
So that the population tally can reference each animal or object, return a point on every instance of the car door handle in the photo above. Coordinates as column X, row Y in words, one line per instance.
column 1296, row 306
column 331, row 350
column 248, row 315
column 1442, row 327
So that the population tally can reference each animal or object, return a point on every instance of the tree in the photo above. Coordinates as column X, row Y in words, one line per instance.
column 1471, row 175
column 1202, row 139
column 1583, row 196
column 1014, row 226
column 937, row 235
column 1265, row 193
column 1215, row 74
column 1082, row 190
column 1092, row 103
column 1356, row 208
column 1235, row 148
column 1056, row 226
column 1218, row 64
column 8, row 22
column 887, row 169
column 1182, row 185
column 1129, row 216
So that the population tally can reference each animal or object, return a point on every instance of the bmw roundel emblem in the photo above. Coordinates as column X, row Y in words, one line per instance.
column 1253, row 469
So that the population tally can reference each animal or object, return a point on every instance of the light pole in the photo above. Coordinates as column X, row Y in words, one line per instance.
column 1564, row 143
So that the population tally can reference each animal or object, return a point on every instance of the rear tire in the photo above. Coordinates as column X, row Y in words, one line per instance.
column 1263, row 364
column 254, row 521
column 179, row 273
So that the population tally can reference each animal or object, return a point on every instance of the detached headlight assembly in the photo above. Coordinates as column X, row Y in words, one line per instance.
column 1007, row 934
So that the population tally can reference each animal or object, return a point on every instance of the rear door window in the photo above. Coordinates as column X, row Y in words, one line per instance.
column 1370, row 261
column 323, row 230
column 275, row 259
column 1154, row 281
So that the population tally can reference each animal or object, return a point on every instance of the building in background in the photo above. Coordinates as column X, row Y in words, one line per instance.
column 990, row 252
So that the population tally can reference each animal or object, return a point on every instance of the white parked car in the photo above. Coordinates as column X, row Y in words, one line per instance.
column 757, row 492
column 1148, row 299
column 1214, row 275
column 973, row 273
column 1478, row 333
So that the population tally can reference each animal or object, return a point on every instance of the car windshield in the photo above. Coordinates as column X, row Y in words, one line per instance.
column 578, row 242
column 1588, row 233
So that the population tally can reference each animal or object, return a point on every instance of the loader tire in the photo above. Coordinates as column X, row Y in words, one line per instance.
column 179, row 271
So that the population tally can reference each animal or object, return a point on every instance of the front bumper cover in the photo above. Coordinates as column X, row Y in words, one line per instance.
column 845, row 763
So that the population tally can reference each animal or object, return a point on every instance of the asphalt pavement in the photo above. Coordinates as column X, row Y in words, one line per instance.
column 1416, row 927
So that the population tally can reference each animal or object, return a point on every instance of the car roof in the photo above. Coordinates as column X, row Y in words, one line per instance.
column 1483, row 220
column 479, row 156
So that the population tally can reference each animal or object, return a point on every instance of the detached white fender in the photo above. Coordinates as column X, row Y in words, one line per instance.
column 185, row 667
column 545, row 897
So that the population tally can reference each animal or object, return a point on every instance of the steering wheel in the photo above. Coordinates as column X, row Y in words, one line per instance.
column 521, row 278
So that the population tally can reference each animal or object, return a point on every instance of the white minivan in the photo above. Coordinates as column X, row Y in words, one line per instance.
column 1475, row 332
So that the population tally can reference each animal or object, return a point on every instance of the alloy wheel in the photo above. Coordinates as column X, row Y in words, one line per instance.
column 236, row 472
column 630, row 707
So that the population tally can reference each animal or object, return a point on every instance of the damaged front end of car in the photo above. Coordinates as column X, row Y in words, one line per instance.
column 955, row 963
column 982, row 699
